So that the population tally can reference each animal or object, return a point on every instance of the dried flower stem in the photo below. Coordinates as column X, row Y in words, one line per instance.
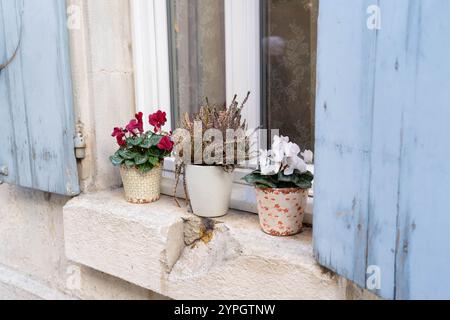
column 222, row 119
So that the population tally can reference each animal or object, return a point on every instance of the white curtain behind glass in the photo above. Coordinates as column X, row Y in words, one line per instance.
column 198, row 53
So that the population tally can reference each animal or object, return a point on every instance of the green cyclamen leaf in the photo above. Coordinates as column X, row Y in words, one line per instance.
column 155, row 140
column 259, row 180
column 129, row 163
column 153, row 161
column 116, row 160
column 282, row 177
column 155, row 152
column 127, row 154
column 151, row 141
column 135, row 141
column 297, row 179
column 303, row 182
column 307, row 175
column 140, row 159
column 146, row 143
column 146, row 167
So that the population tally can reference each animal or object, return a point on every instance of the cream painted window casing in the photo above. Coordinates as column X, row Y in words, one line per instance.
column 152, row 65
column 151, row 56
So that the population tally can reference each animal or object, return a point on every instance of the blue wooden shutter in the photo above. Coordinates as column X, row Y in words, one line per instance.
column 36, row 109
column 382, row 149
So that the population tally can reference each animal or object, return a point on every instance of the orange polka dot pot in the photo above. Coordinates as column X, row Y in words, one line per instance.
column 281, row 211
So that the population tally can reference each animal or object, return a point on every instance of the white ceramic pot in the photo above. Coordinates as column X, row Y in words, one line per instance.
column 209, row 189
column 281, row 211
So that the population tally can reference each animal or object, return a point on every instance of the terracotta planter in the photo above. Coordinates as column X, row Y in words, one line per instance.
column 209, row 189
column 281, row 211
column 141, row 187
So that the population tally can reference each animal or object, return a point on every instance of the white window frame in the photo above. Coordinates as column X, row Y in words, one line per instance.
column 243, row 72
column 243, row 55
column 151, row 56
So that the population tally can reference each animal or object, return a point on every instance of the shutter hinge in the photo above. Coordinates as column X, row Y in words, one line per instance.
column 80, row 143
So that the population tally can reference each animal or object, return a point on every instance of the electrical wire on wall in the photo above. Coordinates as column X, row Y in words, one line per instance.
column 16, row 50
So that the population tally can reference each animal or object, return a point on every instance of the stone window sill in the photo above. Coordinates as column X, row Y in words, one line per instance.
column 167, row 250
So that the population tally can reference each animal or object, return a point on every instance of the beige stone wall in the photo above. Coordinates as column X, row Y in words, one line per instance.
column 33, row 263
column 102, row 67
column 32, row 256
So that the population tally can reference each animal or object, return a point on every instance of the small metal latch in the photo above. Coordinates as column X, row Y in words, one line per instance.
column 3, row 172
column 80, row 146
column 79, row 142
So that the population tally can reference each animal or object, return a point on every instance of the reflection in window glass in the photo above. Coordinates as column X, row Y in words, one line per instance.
column 288, row 65
column 288, row 45
column 197, row 32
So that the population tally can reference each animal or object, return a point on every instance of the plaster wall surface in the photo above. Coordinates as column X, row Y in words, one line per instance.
column 33, row 263
column 103, row 83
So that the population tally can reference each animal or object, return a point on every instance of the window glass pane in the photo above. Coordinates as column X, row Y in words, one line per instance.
column 197, row 32
column 288, row 65
column 288, row 44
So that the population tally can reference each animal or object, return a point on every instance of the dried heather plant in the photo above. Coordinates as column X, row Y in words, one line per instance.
column 222, row 119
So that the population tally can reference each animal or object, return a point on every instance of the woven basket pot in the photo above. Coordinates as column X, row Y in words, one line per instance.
column 281, row 211
column 141, row 187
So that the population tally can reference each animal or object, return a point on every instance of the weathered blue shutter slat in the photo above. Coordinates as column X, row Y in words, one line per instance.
column 12, row 147
column 390, row 78
column 342, row 150
column 36, row 97
column 383, row 202
column 424, row 221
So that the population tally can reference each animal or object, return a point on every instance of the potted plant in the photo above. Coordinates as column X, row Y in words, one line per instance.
column 141, row 156
column 206, row 158
column 282, row 184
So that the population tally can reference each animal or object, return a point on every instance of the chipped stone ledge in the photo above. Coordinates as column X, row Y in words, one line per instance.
column 169, row 251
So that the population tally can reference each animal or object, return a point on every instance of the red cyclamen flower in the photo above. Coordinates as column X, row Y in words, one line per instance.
column 158, row 120
column 166, row 144
column 119, row 134
column 116, row 132
column 132, row 126
column 136, row 124
column 140, row 121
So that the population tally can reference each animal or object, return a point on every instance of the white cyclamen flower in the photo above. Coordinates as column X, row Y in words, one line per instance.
column 279, row 148
column 291, row 150
column 268, row 166
column 295, row 163
column 308, row 156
